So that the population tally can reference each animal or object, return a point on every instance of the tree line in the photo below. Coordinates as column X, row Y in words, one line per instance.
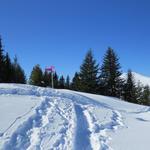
column 107, row 79
column 10, row 71
column 91, row 78
column 43, row 78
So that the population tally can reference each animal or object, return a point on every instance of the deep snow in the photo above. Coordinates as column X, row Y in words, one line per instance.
column 34, row 118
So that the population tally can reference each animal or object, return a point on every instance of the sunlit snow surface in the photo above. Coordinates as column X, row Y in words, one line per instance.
column 139, row 78
column 34, row 118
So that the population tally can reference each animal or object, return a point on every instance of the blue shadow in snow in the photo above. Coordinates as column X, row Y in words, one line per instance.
column 82, row 141
column 141, row 119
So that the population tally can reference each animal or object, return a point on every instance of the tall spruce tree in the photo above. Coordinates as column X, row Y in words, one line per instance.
column 67, row 83
column 130, row 90
column 76, row 84
column 62, row 82
column 89, row 74
column 36, row 77
column 17, row 72
column 110, row 81
column 47, row 79
column 146, row 96
column 56, row 81
column 139, row 92
column 8, row 70
column 2, row 65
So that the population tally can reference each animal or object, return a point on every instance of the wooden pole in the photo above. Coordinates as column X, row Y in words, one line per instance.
column 52, row 79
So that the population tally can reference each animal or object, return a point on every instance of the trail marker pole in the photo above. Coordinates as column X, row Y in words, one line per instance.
column 52, row 79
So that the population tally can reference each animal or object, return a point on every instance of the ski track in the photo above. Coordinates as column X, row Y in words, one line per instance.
column 19, row 117
column 76, row 127
column 82, row 140
column 30, row 135
column 96, row 133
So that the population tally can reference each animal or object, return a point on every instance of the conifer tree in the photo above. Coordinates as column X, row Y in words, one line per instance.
column 18, row 73
column 146, row 96
column 36, row 77
column 56, row 82
column 89, row 74
column 62, row 82
column 2, row 76
column 67, row 84
column 47, row 79
column 110, row 81
column 130, row 90
column 139, row 91
column 8, row 70
column 76, row 84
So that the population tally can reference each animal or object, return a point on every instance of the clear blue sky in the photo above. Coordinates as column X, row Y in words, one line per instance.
column 59, row 32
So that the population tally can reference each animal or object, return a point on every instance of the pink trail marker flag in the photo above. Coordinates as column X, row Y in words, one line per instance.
column 51, row 69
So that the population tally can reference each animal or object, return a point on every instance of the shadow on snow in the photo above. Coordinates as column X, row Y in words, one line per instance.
column 82, row 140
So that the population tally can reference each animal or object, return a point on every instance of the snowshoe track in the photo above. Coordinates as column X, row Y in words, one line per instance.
column 64, row 122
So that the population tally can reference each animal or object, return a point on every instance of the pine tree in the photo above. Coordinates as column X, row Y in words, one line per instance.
column 89, row 74
column 8, row 70
column 139, row 91
column 76, row 83
column 56, row 82
column 61, row 82
column 67, row 84
column 47, row 79
column 110, row 81
column 146, row 96
column 36, row 77
column 18, row 74
column 2, row 66
column 130, row 89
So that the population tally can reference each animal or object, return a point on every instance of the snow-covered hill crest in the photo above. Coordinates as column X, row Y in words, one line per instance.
column 144, row 80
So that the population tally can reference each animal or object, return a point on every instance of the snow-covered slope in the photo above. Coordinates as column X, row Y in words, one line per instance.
column 144, row 80
column 34, row 118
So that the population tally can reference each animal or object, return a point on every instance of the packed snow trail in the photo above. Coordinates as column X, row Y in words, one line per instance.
column 91, row 134
column 82, row 140
column 46, row 119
